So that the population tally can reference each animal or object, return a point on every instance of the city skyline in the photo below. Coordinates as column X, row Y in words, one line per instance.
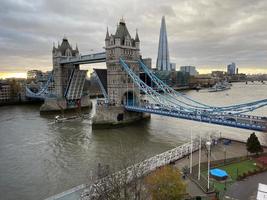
column 197, row 36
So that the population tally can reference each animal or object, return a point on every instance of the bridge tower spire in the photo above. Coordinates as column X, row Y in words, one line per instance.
column 107, row 35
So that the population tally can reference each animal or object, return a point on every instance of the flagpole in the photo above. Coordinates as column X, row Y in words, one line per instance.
column 199, row 157
column 191, row 151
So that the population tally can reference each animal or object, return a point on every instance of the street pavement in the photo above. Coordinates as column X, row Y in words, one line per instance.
column 218, row 152
column 247, row 189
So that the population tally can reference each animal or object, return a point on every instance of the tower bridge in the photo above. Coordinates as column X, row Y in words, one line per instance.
column 121, row 85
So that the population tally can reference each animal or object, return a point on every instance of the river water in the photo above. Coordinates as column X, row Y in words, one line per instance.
column 39, row 158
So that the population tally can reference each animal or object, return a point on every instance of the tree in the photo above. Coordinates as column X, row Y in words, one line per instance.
column 113, row 182
column 165, row 183
column 253, row 144
column 15, row 89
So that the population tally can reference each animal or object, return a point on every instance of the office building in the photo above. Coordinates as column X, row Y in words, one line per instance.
column 231, row 69
column 190, row 69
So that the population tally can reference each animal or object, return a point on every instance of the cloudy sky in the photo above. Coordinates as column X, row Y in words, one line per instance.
column 206, row 33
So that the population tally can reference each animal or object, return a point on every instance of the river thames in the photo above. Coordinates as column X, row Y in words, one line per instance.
column 40, row 158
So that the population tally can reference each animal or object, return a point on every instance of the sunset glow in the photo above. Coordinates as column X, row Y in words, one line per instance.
column 4, row 75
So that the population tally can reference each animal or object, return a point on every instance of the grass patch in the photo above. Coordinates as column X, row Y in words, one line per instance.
column 233, row 171
column 240, row 168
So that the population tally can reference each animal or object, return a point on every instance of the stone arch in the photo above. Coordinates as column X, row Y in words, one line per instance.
column 129, row 98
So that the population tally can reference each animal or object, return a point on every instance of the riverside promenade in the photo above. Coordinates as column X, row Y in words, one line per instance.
column 218, row 152
column 180, row 155
column 85, row 192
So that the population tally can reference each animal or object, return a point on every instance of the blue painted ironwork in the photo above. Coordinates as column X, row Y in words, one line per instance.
column 212, row 119
column 155, row 96
column 43, row 93
column 102, row 88
column 240, row 108
column 163, row 105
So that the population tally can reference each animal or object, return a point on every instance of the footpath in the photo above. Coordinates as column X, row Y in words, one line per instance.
column 218, row 152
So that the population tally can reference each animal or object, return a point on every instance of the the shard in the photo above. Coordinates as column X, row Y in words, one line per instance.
column 163, row 60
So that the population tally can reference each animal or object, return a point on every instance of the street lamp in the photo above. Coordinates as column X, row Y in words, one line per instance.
column 199, row 157
column 224, row 150
column 191, row 150
column 208, row 144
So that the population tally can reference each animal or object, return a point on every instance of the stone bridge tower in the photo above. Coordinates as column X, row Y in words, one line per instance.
column 121, row 44
column 120, row 87
column 62, row 73
column 68, row 79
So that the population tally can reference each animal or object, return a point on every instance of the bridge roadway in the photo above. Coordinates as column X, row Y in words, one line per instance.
column 238, row 121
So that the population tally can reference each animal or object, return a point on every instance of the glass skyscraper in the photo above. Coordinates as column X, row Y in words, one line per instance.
column 163, row 60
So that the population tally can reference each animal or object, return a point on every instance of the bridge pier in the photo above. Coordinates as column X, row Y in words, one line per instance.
column 115, row 116
column 54, row 104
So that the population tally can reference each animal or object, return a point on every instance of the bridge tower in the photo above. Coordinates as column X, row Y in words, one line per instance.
column 121, row 45
column 68, row 80
column 62, row 72
column 120, row 87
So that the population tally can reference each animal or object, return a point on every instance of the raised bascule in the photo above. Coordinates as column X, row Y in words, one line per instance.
column 126, row 97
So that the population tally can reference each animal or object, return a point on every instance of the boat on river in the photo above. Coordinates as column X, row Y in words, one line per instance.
column 220, row 86
column 61, row 119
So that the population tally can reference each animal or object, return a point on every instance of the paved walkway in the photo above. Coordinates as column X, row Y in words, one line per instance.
column 235, row 149
column 247, row 189
column 218, row 152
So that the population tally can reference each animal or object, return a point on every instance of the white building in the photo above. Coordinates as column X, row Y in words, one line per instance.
column 190, row 69
column 262, row 192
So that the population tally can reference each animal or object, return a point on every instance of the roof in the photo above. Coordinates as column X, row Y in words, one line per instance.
column 64, row 46
column 122, row 31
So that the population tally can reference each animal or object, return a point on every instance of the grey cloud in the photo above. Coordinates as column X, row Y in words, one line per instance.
column 204, row 33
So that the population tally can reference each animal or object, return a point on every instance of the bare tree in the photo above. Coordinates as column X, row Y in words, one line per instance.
column 121, row 181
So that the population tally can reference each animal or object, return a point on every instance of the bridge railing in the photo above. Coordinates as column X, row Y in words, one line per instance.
column 142, row 168
column 154, row 108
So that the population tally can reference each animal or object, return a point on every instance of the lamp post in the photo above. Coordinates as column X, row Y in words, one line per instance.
column 191, row 151
column 208, row 144
column 127, row 98
column 224, row 150
column 199, row 157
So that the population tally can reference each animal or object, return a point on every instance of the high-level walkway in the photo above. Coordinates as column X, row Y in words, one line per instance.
column 85, row 59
